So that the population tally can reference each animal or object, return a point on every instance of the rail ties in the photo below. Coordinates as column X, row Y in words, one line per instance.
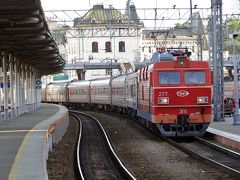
column 96, row 157
column 208, row 152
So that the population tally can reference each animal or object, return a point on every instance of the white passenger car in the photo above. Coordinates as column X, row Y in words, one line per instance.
column 78, row 92
column 118, row 91
column 131, row 93
column 100, row 92
column 56, row 92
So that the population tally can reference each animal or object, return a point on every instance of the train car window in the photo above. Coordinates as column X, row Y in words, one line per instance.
column 195, row 77
column 132, row 91
column 169, row 77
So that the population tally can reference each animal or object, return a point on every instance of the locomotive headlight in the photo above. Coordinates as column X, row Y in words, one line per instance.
column 202, row 100
column 163, row 100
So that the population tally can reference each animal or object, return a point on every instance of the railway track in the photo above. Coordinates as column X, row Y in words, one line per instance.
column 95, row 155
column 215, row 155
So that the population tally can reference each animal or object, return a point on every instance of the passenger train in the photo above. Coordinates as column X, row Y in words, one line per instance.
column 173, row 95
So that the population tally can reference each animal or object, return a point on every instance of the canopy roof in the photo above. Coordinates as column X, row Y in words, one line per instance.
column 25, row 33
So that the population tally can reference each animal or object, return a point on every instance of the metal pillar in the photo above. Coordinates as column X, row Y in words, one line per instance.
column 236, row 117
column 5, row 86
column 217, row 55
column 38, row 94
column 1, row 70
column 81, row 74
column 17, row 89
column 22, row 90
column 31, row 88
column 12, row 86
column 200, row 47
column 34, row 91
column 27, row 90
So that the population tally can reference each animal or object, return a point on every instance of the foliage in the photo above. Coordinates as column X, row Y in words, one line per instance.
column 179, row 26
column 231, row 26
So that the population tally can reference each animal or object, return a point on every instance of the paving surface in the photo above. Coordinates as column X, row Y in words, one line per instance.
column 12, row 133
column 226, row 126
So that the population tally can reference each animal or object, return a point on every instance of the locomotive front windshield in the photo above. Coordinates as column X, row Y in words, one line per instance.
column 169, row 77
column 195, row 77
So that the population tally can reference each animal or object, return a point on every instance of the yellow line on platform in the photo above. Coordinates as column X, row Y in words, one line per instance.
column 16, row 131
column 15, row 167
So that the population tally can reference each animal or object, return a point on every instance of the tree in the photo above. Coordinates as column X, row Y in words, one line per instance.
column 179, row 26
column 231, row 26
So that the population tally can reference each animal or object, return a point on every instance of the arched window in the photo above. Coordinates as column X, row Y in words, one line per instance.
column 94, row 46
column 108, row 46
column 121, row 46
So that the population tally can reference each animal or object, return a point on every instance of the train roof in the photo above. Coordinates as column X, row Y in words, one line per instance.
column 181, row 62
column 169, row 54
column 120, row 77
column 100, row 81
column 79, row 82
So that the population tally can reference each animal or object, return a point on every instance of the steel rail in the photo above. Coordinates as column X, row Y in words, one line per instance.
column 78, row 147
column 219, row 148
column 205, row 159
column 126, row 173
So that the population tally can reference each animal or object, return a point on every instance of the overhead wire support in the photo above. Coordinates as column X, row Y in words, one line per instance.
column 217, row 58
column 236, row 116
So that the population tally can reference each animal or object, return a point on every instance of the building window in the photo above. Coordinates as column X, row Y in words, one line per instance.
column 94, row 46
column 121, row 46
column 149, row 49
column 108, row 46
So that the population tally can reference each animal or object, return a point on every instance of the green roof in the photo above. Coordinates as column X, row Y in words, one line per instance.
column 106, row 16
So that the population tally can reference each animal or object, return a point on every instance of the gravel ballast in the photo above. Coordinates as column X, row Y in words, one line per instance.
column 145, row 155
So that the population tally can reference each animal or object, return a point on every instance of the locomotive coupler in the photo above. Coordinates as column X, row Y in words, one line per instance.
column 182, row 123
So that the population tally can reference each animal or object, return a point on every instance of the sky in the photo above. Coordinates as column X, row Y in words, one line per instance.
column 229, row 7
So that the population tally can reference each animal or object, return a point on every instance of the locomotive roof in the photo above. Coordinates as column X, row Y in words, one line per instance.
column 175, row 64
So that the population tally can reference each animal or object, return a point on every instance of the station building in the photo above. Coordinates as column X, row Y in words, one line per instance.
column 105, row 34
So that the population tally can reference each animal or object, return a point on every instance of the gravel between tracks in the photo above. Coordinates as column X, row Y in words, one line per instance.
column 144, row 154
column 60, row 161
column 148, row 157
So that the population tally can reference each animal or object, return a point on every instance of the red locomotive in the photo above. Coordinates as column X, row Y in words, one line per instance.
column 176, row 96
column 172, row 94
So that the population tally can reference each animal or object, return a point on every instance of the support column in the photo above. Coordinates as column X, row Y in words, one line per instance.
column 217, row 58
column 1, row 88
column 27, row 90
column 31, row 89
column 22, row 91
column 5, row 87
column 81, row 74
column 17, row 89
column 34, row 90
column 12, row 86
column 38, row 92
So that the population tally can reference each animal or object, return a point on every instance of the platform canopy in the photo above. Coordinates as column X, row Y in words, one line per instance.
column 25, row 34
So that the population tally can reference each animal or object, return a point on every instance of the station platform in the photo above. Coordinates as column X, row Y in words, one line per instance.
column 225, row 132
column 26, row 141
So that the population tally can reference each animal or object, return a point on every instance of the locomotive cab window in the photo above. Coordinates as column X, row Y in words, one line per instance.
column 169, row 77
column 195, row 77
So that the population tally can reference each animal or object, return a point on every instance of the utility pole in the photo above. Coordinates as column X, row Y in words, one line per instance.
column 110, row 33
column 236, row 117
column 191, row 17
column 217, row 58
